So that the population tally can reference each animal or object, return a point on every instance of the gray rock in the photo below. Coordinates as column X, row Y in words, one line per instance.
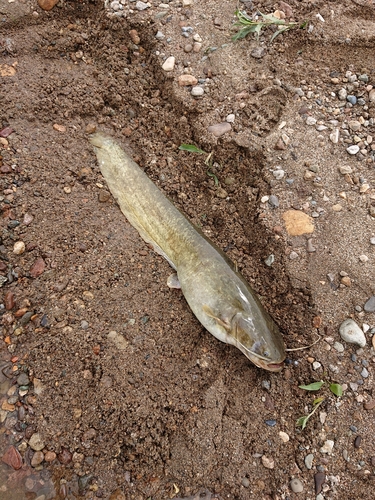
column 258, row 52
column 141, row 5
column 352, row 99
column 351, row 333
column 220, row 129
column 273, row 201
column 309, row 460
column 370, row 304
column 197, row 91
column 23, row 379
column 296, row 485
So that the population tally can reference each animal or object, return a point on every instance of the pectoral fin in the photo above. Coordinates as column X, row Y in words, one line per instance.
column 222, row 322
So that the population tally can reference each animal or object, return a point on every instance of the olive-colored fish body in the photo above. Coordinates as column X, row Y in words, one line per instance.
column 219, row 297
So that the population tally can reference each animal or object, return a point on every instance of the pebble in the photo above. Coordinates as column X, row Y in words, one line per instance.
column 319, row 480
column 50, row 456
column 310, row 120
column 363, row 258
column 141, row 5
column 37, row 268
column 12, row 458
column 268, row 462
column 357, row 442
column 316, row 365
column 278, row 174
column 284, row 436
column 198, row 92
column 269, row 260
column 369, row 405
column 371, row 95
column 19, row 247
column 258, row 52
column 185, row 80
column 23, row 379
column 270, row 423
column 37, row 459
column 351, row 333
column 273, row 201
column 159, row 35
column 297, row 223
column 230, row 118
column 364, row 373
column 36, row 442
column 334, row 136
column 220, row 129
column 64, row 457
column 343, row 94
column 345, row 170
column 352, row 99
column 370, row 305
column 309, row 460
column 245, row 482
column 338, row 347
column 310, row 247
column 47, row 4
column 169, row 63
column 353, row 150
column 296, row 485
column 9, row 301
column 354, row 125
column 372, row 240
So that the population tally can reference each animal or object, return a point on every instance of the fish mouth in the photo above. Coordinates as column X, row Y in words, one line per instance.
column 270, row 366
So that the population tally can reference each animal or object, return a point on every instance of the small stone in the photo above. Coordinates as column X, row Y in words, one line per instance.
column 230, row 118
column 357, row 442
column 185, row 80
column 103, row 196
column 269, row 260
column 372, row 240
column 258, row 52
column 134, row 37
column 337, row 207
column 23, row 379
column 168, row 63
column 221, row 193
column 90, row 128
column 197, row 91
column 370, row 305
column 369, row 405
column 293, row 255
column 9, row 301
column 19, row 247
column 354, row 125
column 47, row 4
column 338, row 347
column 119, row 340
column 345, row 170
column 342, row 94
column 159, row 36
column 37, row 268
column 310, row 247
column 345, row 280
column 310, row 120
column 37, row 459
column 36, row 443
column 371, row 95
column 59, row 128
column 245, row 482
column 353, row 150
column 296, row 485
column 309, row 461
column 352, row 99
column 319, row 480
column 364, row 373
column 50, row 456
column 12, row 458
column 297, row 223
column 351, row 333
column 280, row 145
column 316, row 365
column 363, row 258
column 334, row 136
column 278, row 174
column 220, row 129
column 273, row 201
column 284, row 436
column 268, row 462
column 65, row 457
column 141, row 5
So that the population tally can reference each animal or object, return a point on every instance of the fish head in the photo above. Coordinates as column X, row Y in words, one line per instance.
column 263, row 344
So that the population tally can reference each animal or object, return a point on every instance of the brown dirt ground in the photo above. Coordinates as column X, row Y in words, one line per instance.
column 176, row 412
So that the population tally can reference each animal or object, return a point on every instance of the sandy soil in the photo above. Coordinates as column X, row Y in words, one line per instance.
column 160, row 409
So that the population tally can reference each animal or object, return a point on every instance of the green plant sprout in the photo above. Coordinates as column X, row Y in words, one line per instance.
column 208, row 161
column 336, row 389
column 248, row 25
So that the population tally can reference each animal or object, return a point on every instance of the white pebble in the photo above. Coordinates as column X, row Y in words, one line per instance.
column 365, row 327
column 363, row 258
column 316, row 365
column 293, row 255
column 345, row 170
column 310, row 120
column 353, row 150
column 284, row 436
column 338, row 347
column 351, row 333
column 372, row 240
column 168, row 64
column 278, row 174
column 334, row 136
column 264, row 199
column 327, row 447
column 197, row 91
column 19, row 247
column 296, row 485
column 230, row 118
